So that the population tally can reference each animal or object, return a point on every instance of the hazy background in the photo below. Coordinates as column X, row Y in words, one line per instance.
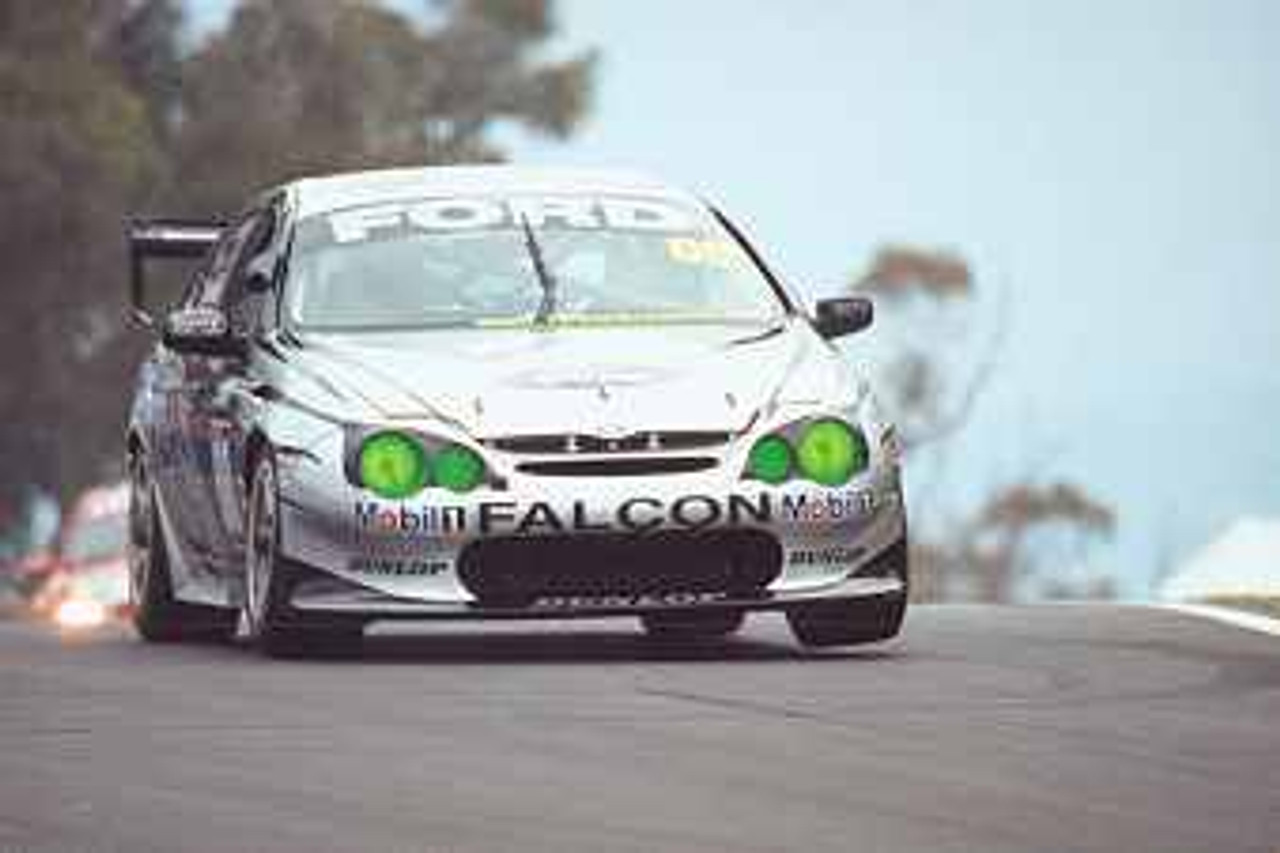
column 1112, row 164
column 1095, row 183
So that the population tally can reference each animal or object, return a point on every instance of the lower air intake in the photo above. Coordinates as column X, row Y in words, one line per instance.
column 517, row 571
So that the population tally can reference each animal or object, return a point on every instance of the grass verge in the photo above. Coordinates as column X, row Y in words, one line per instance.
column 1264, row 605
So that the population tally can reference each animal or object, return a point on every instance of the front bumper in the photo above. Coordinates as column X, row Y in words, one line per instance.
column 428, row 557
column 880, row 580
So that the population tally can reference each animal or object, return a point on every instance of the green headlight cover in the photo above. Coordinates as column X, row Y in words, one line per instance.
column 770, row 459
column 393, row 465
column 831, row 451
column 458, row 469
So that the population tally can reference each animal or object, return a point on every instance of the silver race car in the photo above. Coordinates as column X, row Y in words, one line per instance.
column 495, row 392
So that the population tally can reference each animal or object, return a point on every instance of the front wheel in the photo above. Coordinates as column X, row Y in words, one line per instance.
column 274, row 626
column 158, row 616
column 846, row 623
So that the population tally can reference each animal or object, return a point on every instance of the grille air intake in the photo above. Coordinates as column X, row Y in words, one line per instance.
column 640, row 442
column 631, row 466
column 516, row 571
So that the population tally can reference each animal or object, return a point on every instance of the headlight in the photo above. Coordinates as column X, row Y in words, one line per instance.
column 458, row 469
column 770, row 460
column 830, row 452
column 827, row 451
column 395, row 465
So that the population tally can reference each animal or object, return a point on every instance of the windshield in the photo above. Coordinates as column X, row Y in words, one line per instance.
column 100, row 538
column 522, row 262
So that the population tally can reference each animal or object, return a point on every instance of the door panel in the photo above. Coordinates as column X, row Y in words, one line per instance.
column 209, row 425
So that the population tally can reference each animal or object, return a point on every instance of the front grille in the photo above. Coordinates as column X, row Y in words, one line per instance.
column 571, row 443
column 633, row 466
column 517, row 571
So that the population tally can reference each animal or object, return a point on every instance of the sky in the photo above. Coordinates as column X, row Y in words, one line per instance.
column 1108, row 168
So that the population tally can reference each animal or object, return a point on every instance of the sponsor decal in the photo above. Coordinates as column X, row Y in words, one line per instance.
column 640, row 514
column 398, row 567
column 703, row 252
column 835, row 555
column 830, row 507
column 649, row 599
column 634, row 515
column 441, row 521
column 359, row 224
column 607, row 318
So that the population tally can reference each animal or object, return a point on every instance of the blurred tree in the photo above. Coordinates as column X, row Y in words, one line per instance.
column 294, row 87
column 919, row 285
column 996, row 550
column 75, row 155
column 108, row 113
column 992, row 555
column 147, row 49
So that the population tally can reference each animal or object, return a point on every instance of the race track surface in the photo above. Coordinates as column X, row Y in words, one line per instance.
column 1066, row 728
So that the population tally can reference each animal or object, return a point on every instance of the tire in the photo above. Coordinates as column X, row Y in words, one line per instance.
column 678, row 626
column 847, row 623
column 274, row 626
column 158, row 616
column 852, row 622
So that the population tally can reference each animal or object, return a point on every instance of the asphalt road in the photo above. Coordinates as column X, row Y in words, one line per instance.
column 983, row 729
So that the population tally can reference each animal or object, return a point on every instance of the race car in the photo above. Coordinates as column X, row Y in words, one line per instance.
column 500, row 393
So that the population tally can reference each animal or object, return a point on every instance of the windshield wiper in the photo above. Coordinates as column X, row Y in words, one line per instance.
column 546, row 280
column 766, row 333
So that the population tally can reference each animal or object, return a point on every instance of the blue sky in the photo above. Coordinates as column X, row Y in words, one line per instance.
column 1111, row 164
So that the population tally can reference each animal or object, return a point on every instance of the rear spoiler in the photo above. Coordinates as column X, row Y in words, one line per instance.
column 151, row 239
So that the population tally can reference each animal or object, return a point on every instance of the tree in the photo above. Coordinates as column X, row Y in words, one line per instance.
column 294, row 87
column 919, row 286
column 990, row 555
column 996, row 549
column 107, row 115
column 147, row 50
column 75, row 153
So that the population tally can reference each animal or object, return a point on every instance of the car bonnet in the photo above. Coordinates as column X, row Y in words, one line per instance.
column 603, row 381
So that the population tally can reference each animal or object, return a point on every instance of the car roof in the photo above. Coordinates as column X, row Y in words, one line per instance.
column 350, row 189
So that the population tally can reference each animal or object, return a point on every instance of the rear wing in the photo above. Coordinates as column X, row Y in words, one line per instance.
column 154, row 239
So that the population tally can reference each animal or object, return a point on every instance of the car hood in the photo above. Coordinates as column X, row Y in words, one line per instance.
column 602, row 381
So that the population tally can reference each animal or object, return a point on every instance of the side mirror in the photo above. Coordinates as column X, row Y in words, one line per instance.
column 835, row 318
column 201, row 331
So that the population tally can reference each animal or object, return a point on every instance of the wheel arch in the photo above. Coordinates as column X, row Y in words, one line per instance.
column 134, row 444
column 255, row 446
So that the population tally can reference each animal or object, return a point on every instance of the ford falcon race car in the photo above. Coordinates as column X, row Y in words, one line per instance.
column 497, row 392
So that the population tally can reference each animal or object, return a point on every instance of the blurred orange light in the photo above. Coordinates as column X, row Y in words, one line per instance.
column 79, row 614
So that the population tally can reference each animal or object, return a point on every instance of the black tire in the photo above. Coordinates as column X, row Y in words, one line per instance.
column 687, row 626
column 158, row 616
column 274, row 626
column 852, row 622
column 846, row 623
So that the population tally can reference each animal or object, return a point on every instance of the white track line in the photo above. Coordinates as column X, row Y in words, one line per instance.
column 1230, row 616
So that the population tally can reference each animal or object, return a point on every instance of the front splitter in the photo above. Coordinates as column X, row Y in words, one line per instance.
column 379, row 606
